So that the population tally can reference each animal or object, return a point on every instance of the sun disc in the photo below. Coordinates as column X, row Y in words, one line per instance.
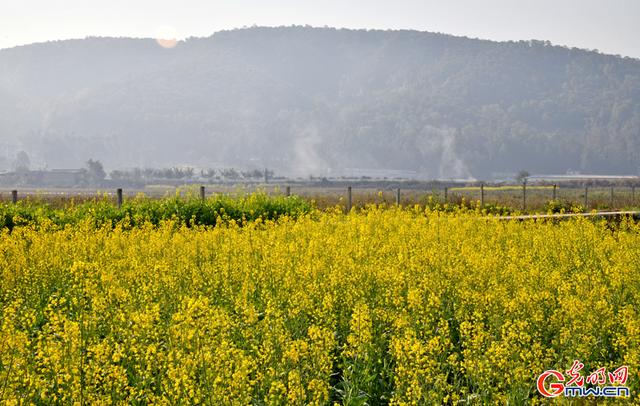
column 167, row 37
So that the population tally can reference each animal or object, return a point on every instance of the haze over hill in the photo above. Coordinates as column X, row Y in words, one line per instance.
column 317, row 101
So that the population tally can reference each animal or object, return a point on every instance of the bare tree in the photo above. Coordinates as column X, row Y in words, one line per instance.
column 94, row 171
column 522, row 176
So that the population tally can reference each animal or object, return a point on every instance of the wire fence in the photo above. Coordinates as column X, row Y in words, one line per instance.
column 518, row 197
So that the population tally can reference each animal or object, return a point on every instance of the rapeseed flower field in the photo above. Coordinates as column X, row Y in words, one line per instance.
column 382, row 305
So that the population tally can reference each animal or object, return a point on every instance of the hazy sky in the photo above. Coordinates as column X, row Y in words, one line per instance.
column 611, row 26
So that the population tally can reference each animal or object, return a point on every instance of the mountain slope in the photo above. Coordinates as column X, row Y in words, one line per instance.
column 307, row 100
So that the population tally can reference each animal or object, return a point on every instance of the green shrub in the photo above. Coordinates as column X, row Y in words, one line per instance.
column 190, row 211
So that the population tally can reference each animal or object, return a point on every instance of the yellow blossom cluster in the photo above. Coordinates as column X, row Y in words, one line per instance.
column 381, row 305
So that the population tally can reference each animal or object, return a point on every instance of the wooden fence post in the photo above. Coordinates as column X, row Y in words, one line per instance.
column 119, row 195
column 555, row 188
column 524, row 195
column 202, row 192
column 288, row 191
column 586, row 198
column 482, row 195
column 611, row 198
column 14, row 196
column 633, row 195
column 348, row 199
column 446, row 197
column 398, row 197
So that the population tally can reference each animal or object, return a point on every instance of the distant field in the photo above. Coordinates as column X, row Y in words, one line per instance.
column 499, row 188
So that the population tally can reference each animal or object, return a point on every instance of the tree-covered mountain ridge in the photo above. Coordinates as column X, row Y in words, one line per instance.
column 320, row 101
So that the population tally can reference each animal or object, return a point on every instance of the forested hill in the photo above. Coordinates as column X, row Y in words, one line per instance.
column 307, row 100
